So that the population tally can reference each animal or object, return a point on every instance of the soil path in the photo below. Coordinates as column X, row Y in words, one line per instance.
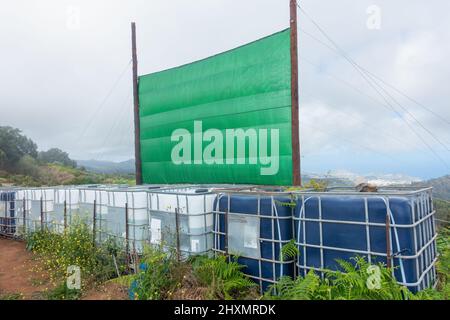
column 19, row 278
column 17, row 275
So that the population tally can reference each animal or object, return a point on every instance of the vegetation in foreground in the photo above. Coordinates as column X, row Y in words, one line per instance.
column 215, row 278
column 163, row 276
column 57, row 252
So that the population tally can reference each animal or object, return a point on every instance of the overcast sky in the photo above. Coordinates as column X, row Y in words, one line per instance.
column 60, row 62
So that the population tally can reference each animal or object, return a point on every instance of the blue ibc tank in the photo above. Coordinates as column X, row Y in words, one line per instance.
column 7, row 203
column 271, row 225
column 348, row 230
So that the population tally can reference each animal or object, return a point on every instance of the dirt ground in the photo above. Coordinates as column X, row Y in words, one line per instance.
column 108, row 291
column 17, row 278
column 20, row 280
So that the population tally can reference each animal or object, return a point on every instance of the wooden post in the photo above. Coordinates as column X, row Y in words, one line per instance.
column 296, row 174
column 65, row 214
column 137, row 125
column 42, row 214
column 24, row 216
column 225, row 229
column 4, row 225
column 127, row 246
column 388, row 241
column 177, row 226
column 94, row 221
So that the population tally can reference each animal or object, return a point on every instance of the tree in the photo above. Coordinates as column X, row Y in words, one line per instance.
column 55, row 155
column 13, row 146
column 28, row 166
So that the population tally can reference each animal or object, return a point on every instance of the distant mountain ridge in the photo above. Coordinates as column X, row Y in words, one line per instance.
column 348, row 178
column 441, row 186
column 108, row 167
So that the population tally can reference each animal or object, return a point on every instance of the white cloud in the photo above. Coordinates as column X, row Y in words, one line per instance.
column 53, row 78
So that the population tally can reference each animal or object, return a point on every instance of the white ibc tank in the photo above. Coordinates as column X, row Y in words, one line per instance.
column 40, row 203
column 194, row 206
column 87, row 197
column 65, row 207
column 135, row 200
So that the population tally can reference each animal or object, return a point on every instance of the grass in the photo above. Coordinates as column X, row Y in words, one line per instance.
column 62, row 292
column 11, row 296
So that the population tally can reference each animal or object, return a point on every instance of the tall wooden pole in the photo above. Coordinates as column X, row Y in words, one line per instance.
column 137, row 125
column 388, row 242
column 296, row 176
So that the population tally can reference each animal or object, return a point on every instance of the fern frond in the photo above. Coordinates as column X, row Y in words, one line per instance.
column 289, row 251
column 291, row 204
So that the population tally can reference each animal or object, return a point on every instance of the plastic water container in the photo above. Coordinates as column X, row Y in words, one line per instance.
column 40, row 206
column 66, row 206
column 86, row 199
column 7, row 213
column 258, row 227
column 331, row 226
column 189, row 207
column 128, row 212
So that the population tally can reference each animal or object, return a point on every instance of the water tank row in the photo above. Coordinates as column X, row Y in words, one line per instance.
column 132, row 215
column 395, row 227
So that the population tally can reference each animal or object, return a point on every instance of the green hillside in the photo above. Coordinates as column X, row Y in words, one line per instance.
column 21, row 164
column 441, row 195
column 442, row 211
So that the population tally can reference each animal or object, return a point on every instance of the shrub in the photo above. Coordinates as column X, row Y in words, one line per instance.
column 28, row 166
column 75, row 247
column 224, row 279
column 159, row 276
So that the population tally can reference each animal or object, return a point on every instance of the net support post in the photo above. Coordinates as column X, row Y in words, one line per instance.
column 296, row 174
column 137, row 126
